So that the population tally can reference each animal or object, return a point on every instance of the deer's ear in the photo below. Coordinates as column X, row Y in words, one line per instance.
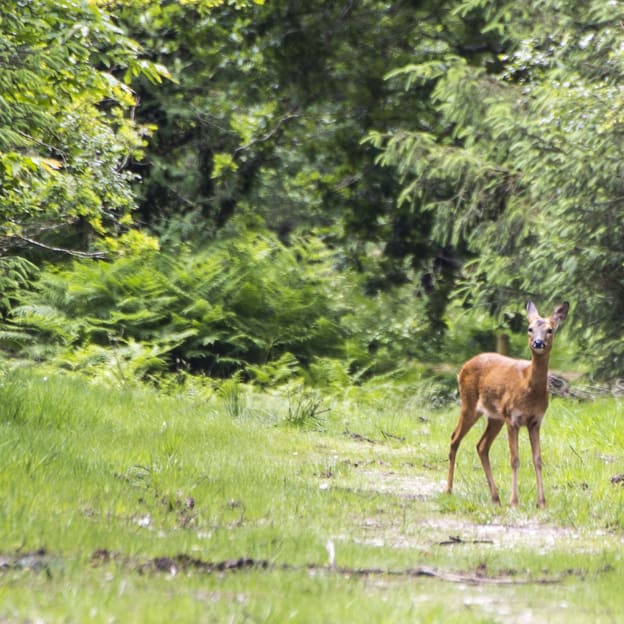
column 531, row 311
column 560, row 313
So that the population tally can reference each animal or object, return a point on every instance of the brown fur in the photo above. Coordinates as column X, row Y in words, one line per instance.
column 508, row 392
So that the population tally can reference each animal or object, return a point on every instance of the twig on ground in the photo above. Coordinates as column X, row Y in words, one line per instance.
column 456, row 539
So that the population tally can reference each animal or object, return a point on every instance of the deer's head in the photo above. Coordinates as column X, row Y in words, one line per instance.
column 542, row 329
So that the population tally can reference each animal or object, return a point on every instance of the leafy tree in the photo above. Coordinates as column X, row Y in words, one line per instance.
column 66, row 126
column 267, row 112
column 526, row 171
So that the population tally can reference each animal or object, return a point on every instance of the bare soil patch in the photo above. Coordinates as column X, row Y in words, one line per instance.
column 450, row 530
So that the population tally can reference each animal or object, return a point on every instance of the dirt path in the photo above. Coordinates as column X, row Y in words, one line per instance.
column 511, row 530
column 452, row 539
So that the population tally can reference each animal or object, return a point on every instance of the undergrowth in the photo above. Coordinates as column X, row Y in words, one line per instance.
column 245, row 304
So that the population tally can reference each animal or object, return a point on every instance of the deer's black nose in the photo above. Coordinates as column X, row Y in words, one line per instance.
column 538, row 344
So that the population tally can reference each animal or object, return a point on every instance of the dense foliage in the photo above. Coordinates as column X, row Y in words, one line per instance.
column 267, row 114
column 527, row 171
column 244, row 304
column 244, row 300
column 66, row 121
column 252, row 182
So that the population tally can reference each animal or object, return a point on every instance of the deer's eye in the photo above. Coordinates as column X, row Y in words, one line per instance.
column 530, row 330
column 549, row 331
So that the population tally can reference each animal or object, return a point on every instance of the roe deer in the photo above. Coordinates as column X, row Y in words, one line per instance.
column 511, row 392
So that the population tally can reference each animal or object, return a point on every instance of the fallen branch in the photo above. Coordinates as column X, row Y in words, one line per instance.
column 359, row 437
column 184, row 563
column 392, row 436
column 456, row 539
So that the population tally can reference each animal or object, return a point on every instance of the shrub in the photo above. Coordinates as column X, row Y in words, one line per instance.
column 242, row 301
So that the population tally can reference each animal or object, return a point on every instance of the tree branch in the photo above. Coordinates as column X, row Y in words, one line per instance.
column 63, row 250
column 270, row 134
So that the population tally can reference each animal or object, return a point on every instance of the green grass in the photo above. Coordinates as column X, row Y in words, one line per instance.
column 126, row 505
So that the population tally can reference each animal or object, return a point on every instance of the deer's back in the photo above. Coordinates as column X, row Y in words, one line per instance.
column 499, row 386
column 492, row 369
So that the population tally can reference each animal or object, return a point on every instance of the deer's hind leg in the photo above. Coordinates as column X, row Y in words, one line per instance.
column 467, row 418
column 534, row 437
column 483, row 449
column 512, row 434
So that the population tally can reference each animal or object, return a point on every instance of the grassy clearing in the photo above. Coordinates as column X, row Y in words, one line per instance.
column 212, row 506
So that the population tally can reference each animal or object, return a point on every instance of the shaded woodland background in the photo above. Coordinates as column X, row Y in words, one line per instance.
column 320, row 190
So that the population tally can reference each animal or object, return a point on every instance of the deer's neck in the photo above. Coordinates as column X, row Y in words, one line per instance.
column 538, row 372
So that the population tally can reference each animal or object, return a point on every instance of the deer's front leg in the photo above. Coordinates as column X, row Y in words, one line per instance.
column 534, row 437
column 512, row 433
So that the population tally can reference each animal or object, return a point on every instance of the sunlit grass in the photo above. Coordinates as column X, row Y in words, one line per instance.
column 135, row 476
